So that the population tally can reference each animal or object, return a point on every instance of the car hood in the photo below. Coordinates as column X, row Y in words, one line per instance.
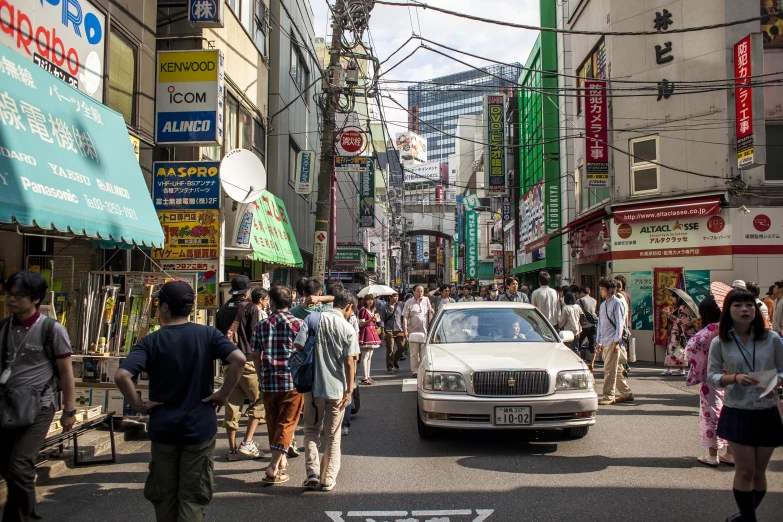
column 501, row 356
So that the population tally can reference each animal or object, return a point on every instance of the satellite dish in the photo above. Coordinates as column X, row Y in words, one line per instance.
column 242, row 175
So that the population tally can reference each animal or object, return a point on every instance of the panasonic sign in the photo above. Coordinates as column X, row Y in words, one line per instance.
column 189, row 98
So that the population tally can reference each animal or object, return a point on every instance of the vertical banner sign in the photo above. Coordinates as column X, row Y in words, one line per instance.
column 189, row 97
column 471, row 246
column 419, row 249
column 367, row 198
column 596, row 135
column 65, row 38
column 333, row 221
column 205, row 13
column 425, row 249
column 506, row 210
column 495, row 150
column 641, row 291
column 305, row 164
column 748, row 60
column 663, row 278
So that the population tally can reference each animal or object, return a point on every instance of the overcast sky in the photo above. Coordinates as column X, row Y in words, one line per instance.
column 391, row 26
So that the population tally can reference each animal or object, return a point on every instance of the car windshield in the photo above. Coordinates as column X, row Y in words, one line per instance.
column 505, row 325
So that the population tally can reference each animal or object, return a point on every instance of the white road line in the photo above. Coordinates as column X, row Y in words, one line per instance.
column 409, row 385
column 443, row 512
column 481, row 514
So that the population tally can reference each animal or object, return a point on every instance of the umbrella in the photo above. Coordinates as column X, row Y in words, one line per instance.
column 376, row 290
column 688, row 300
column 719, row 292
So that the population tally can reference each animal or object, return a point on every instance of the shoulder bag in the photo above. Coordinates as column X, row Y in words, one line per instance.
column 232, row 330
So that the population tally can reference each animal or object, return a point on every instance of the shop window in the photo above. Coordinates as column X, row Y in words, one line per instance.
column 644, row 173
column 594, row 66
column 772, row 171
column 122, row 76
column 293, row 150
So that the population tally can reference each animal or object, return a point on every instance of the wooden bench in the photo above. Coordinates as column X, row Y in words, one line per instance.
column 80, row 428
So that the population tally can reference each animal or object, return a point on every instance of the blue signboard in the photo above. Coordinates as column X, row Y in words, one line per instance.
column 205, row 13
column 186, row 185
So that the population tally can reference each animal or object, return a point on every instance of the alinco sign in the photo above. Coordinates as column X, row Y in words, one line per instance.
column 189, row 97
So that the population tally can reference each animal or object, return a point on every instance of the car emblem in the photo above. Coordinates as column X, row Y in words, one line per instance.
column 512, row 382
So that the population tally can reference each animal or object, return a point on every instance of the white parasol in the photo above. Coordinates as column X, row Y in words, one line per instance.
column 688, row 300
column 376, row 290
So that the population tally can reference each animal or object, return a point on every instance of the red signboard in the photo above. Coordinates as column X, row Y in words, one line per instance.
column 596, row 135
column 686, row 208
column 538, row 244
column 352, row 141
column 743, row 101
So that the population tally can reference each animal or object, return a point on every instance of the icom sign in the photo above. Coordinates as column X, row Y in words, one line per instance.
column 189, row 97
column 352, row 141
column 64, row 37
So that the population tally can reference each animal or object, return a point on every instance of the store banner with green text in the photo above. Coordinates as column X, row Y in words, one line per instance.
column 472, row 245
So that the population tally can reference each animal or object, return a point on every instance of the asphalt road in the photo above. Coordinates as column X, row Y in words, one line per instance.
column 637, row 463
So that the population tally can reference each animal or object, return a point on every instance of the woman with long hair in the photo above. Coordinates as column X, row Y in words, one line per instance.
column 676, row 317
column 710, row 398
column 369, row 339
column 569, row 318
column 750, row 423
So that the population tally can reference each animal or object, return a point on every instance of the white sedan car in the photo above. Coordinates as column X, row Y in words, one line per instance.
column 501, row 365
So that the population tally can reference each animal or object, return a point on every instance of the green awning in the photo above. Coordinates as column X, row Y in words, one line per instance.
column 272, row 238
column 66, row 161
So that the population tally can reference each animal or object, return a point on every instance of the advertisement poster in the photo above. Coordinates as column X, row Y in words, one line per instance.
column 273, row 237
column 411, row 147
column 640, row 287
column 305, row 172
column 471, row 245
column 206, row 281
column 697, row 236
column 751, row 136
column 424, row 173
column 367, row 198
column 771, row 26
column 495, row 150
column 190, row 234
column 596, row 136
column 532, row 222
column 186, row 185
column 663, row 278
column 697, row 284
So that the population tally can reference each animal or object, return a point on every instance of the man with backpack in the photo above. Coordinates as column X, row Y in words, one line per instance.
column 588, row 305
column 36, row 362
column 237, row 319
column 273, row 345
column 180, row 360
column 610, row 342
column 334, row 346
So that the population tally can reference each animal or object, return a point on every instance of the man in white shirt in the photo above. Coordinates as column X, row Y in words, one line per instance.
column 545, row 299
column 416, row 319
column 611, row 317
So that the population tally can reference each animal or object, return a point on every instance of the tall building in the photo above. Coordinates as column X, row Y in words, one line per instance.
column 435, row 105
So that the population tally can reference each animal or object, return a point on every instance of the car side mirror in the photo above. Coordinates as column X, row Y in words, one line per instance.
column 567, row 336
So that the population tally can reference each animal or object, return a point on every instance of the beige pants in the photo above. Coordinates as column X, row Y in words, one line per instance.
column 329, row 418
column 415, row 353
column 614, row 382
column 246, row 387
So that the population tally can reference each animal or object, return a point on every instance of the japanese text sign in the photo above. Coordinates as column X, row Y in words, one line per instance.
column 367, row 198
column 305, row 168
column 596, row 135
column 190, row 234
column 495, row 149
column 205, row 13
column 471, row 244
column 748, row 61
column 351, row 163
column 206, row 272
column 64, row 37
column 272, row 236
column 186, row 185
column 189, row 97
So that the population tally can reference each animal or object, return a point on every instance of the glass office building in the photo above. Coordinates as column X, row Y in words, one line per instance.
column 435, row 105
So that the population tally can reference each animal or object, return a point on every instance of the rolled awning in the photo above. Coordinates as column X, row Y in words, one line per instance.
column 67, row 163
column 665, row 210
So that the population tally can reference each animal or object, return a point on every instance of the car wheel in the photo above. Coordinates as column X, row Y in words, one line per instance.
column 577, row 433
column 425, row 432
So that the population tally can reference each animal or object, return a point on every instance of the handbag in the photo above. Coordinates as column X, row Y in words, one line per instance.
column 19, row 407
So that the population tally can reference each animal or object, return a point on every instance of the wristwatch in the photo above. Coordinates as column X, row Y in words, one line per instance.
column 69, row 413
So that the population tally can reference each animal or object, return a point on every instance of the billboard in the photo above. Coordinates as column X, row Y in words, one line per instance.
column 189, row 97
column 749, row 105
column 423, row 173
column 495, row 149
column 596, row 134
column 771, row 26
column 69, row 41
column 532, row 223
column 471, row 245
column 190, row 234
column 411, row 146
column 367, row 198
column 186, row 185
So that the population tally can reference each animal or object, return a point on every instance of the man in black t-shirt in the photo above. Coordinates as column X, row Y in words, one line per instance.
column 240, row 309
column 183, row 405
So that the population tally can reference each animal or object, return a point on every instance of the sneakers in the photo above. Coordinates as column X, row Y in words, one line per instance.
column 345, row 431
column 328, row 487
column 232, row 455
column 293, row 451
column 681, row 372
column 312, row 482
column 666, row 372
column 606, row 402
column 627, row 398
column 250, row 449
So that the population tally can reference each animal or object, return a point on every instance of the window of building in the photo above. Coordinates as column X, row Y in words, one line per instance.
column 260, row 27
column 122, row 76
column 252, row 17
column 259, row 141
column 230, row 134
column 299, row 72
column 644, row 174
column 588, row 197
column 238, row 130
column 772, row 171
column 293, row 150
column 594, row 66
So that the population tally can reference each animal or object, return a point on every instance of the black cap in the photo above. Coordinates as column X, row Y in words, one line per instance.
column 240, row 285
column 493, row 287
column 178, row 294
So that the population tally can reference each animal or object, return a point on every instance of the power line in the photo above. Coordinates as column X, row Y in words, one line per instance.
column 575, row 31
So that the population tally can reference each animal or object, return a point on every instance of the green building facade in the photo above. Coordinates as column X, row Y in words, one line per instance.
column 539, row 156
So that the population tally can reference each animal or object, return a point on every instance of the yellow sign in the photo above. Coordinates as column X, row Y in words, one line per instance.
column 193, row 66
column 190, row 234
column 136, row 142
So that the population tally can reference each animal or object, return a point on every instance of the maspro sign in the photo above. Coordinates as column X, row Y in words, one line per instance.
column 64, row 37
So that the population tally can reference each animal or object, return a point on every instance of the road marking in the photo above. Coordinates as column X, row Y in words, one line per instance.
column 445, row 515
column 409, row 385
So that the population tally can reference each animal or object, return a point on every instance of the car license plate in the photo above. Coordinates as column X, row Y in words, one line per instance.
column 512, row 415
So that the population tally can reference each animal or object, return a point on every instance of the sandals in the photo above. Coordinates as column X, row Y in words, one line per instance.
column 312, row 482
column 280, row 478
column 726, row 459
column 707, row 461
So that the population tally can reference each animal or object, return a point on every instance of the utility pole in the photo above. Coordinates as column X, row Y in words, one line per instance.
column 331, row 87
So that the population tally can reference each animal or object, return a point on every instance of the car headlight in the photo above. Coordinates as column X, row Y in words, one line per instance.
column 444, row 382
column 576, row 380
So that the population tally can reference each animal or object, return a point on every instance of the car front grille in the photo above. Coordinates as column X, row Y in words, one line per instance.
column 511, row 383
